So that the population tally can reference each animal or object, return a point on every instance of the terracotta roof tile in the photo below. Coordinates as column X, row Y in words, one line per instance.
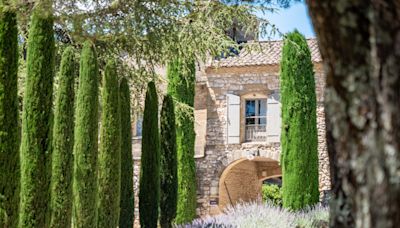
column 267, row 53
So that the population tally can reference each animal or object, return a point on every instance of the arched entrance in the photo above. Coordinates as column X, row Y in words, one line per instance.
column 242, row 180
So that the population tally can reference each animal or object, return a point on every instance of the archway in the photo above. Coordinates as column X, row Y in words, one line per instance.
column 242, row 180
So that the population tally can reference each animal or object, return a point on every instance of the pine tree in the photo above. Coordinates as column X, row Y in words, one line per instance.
column 181, row 84
column 168, row 171
column 149, row 190
column 127, row 206
column 299, row 156
column 86, row 140
column 9, row 132
column 36, row 120
column 63, row 143
column 109, row 183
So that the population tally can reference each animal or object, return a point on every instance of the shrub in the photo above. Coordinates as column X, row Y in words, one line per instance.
column 36, row 120
column 9, row 132
column 109, row 182
column 149, row 190
column 168, row 176
column 272, row 193
column 299, row 156
column 63, row 144
column 127, row 205
column 86, row 141
column 263, row 215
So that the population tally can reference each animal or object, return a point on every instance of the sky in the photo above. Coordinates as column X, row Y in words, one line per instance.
column 295, row 17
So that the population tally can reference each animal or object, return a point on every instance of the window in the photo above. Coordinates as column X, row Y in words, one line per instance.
column 138, row 127
column 256, row 120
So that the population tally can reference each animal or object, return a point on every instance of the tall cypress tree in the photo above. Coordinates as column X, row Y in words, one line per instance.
column 86, row 141
column 149, row 186
column 110, row 151
column 168, row 172
column 63, row 143
column 127, row 206
column 36, row 119
column 181, row 86
column 9, row 137
column 299, row 156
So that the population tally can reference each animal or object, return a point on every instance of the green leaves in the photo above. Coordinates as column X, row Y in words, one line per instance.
column 63, row 143
column 86, row 140
column 299, row 156
column 127, row 195
column 168, row 176
column 149, row 186
column 9, row 118
column 110, row 151
column 37, row 122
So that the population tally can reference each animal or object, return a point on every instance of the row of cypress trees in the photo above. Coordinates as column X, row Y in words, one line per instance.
column 64, row 179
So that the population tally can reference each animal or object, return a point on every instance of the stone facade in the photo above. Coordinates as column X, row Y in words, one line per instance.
column 228, row 173
column 220, row 158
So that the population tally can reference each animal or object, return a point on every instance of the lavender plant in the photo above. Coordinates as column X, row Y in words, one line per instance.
column 258, row 214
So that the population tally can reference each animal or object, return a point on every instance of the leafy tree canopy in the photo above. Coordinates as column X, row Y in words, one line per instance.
column 153, row 31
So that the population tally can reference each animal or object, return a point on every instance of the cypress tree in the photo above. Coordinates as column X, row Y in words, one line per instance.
column 63, row 143
column 181, row 86
column 110, row 151
column 149, row 190
column 86, row 140
column 168, row 172
column 9, row 132
column 127, row 206
column 299, row 156
column 36, row 119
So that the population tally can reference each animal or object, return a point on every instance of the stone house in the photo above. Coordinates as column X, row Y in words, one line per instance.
column 237, row 114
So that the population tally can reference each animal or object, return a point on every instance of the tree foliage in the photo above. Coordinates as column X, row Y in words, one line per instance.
column 149, row 186
column 127, row 205
column 299, row 156
column 110, row 152
column 36, row 120
column 9, row 131
column 147, row 31
column 86, row 141
column 63, row 143
column 181, row 80
column 168, row 173
column 181, row 77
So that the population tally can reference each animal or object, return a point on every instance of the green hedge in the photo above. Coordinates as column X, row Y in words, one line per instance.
column 272, row 193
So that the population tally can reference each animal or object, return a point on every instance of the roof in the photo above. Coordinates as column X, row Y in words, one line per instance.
column 267, row 53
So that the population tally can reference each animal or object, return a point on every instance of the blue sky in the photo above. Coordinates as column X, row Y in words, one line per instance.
column 295, row 17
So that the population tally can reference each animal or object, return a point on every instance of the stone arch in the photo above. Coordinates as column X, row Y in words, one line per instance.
column 241, row 180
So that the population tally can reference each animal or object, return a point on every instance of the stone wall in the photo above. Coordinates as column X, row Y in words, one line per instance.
column 218, row 155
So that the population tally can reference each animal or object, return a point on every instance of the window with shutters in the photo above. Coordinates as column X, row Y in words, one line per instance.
column 256, row 120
